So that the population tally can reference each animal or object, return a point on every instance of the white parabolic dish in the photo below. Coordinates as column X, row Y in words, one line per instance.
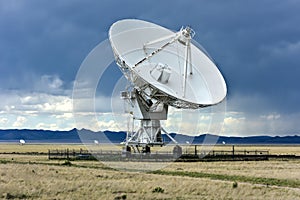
column 133, row 40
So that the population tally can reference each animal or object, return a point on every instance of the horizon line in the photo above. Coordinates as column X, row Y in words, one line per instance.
column 242, row 136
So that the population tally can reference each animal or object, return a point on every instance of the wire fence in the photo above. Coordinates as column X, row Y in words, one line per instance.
column 117, row 155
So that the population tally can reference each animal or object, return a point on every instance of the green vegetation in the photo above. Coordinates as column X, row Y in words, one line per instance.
column 67, row 163
column 224, row 177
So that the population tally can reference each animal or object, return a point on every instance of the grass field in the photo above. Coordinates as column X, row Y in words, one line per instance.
column 36, row 177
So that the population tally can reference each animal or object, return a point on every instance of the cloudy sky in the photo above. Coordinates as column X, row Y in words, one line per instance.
column 255, row 43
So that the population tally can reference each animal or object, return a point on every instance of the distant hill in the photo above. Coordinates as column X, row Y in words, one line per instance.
column 79, row 136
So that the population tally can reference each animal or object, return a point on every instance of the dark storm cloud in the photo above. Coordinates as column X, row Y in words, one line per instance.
column 255, row 43
column 52, row 38
column 42, row 38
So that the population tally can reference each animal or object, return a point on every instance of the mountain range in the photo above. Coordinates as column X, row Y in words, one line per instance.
column 87, row 136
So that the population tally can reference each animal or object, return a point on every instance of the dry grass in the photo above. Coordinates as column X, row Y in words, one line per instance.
column 40, row 148
column 36, row 177
column 267, row 169
column 73, row 182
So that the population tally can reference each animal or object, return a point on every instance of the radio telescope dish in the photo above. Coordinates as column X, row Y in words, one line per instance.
column 22, row 142
column 165, row 68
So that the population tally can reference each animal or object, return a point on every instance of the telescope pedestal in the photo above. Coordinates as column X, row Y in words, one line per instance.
column 149, row 114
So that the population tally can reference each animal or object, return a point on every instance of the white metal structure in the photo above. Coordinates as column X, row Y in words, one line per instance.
column 165, row 69
column 22, row 142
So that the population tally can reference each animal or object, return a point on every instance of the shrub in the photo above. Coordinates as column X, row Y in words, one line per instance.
column 124, row 196
column 158, row 190
column 67, row 162
column 234, row 184
column 16, row 196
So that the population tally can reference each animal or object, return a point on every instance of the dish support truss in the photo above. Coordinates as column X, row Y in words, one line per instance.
column 149, row 114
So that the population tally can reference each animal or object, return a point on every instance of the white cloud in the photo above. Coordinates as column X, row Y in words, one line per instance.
column 47, row 84
column 37, row 103
column 27, row 110
column 101, row 121
column 20, row 121
column 48, row 111
column 274, row 116
column 50, row 81
column 234, row 124
column 45, row 126
column 110, row 125
column 231, row 121
column 64, row 116
column 30, row 99
column 266, row 124
column 3, row 120
column 56, row 104
column 195, row 122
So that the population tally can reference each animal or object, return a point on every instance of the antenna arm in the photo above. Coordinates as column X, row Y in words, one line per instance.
column 158, row 50
column 187, row 62
column 160, row 39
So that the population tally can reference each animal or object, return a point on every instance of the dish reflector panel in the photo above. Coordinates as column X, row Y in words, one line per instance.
column 154, row 57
